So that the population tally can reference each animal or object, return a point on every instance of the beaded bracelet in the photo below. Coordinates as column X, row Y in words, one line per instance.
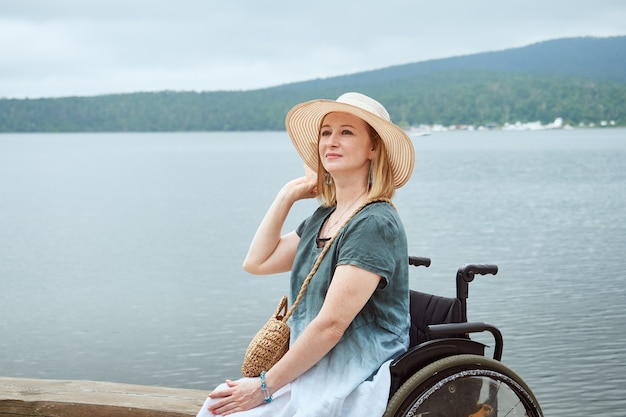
column 266, row 394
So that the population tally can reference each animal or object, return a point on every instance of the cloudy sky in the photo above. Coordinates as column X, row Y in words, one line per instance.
column 53, row 48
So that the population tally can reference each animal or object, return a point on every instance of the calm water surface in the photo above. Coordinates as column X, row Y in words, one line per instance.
column 120, row 254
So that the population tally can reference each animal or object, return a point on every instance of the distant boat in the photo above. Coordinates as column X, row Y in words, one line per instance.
column 418, row 131
column 557, row 124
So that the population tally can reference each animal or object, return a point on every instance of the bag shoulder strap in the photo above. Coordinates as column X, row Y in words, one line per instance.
column 305, row 284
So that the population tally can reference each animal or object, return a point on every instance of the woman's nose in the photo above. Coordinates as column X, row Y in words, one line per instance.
column 331, row 139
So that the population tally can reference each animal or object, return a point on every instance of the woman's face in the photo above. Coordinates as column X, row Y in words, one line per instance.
column 345, row 146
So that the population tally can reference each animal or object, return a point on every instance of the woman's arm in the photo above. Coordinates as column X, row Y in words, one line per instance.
column 350, row 289
column 270, row 252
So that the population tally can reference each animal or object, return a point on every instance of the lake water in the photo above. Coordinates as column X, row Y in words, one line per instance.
column 120, row 254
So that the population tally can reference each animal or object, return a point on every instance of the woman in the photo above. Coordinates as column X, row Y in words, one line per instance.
column 353, row 318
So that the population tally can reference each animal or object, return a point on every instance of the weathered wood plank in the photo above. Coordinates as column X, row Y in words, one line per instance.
column 22, row 397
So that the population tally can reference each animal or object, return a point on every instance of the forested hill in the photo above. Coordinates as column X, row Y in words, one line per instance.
column 582, row 80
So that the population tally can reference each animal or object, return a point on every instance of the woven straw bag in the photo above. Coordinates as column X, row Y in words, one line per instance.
column 272, row 341
column 269, row 344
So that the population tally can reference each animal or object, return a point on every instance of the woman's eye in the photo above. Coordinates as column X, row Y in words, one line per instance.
column 344, row 132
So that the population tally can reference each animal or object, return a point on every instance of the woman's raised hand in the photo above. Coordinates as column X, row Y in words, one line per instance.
column 301, row 188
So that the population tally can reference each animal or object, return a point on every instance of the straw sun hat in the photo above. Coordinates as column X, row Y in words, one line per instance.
column 303, row 123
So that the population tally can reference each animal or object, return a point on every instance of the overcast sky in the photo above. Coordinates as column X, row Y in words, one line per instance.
column 52, row 48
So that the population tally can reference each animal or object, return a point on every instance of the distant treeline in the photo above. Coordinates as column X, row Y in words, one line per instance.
column 582, row 80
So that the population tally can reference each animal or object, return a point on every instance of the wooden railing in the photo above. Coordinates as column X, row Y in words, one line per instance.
column 21, row 397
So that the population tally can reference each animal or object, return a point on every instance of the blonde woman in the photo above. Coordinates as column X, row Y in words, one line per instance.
column 354, row 316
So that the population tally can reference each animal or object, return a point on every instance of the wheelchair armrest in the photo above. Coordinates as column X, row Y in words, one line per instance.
column 449, row 329
column 428, row 352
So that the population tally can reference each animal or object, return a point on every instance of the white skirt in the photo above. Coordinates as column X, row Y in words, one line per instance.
column 301, row 399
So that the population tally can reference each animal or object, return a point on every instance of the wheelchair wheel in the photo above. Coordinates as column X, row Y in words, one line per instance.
column 464, row 386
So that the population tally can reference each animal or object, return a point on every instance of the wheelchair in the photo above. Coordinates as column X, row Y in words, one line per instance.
column 445, row 373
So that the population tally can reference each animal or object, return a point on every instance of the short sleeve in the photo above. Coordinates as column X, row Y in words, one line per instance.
column 372, row 241
column 300, row 228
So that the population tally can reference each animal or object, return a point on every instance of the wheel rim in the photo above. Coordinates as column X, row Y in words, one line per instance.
column 464, row 386
column 472, row 393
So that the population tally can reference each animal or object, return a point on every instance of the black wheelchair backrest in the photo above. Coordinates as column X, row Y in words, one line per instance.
column 427, row 309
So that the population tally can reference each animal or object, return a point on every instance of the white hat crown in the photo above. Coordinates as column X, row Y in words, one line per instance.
column 366, row 103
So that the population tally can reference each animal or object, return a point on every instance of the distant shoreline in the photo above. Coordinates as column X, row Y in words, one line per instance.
column 581, row 80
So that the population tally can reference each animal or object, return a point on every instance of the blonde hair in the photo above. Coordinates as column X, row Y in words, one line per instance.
column 381, row 183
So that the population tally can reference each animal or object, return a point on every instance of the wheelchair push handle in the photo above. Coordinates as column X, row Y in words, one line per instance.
column 467, row 272
column 465, row 275
column 419, row 261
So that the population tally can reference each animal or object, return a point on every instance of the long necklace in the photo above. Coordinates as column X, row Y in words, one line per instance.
column 330, row 227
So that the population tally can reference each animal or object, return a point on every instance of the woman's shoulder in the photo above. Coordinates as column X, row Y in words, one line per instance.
column 318, row 215
column 382, row 208
column 378, row 215
column 321, row 212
